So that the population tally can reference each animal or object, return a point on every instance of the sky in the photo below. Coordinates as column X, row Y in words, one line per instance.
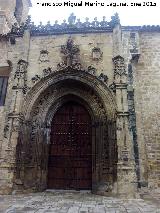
column 146, row 14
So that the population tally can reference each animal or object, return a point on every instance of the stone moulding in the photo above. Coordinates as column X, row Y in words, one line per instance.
column 90, row 70
column 67, row 73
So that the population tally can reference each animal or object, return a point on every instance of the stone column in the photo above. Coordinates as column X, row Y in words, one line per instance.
column 126, row 183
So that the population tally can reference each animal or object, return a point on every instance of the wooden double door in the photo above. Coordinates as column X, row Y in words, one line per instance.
column 70, row 151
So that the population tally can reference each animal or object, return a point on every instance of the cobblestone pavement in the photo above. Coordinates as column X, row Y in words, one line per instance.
column 74, row 202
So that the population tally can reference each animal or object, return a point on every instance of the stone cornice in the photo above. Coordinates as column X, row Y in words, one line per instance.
column 43, row 31
column 74, row 26
column 144, row 28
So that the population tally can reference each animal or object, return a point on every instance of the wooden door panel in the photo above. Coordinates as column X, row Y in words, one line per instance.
column 56, row 173
column 70, row 155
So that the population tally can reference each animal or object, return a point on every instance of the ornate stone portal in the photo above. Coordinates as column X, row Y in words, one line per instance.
column 34, row 137
column 71, row 75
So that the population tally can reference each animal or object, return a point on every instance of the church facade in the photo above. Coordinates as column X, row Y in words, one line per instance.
column 79, row 105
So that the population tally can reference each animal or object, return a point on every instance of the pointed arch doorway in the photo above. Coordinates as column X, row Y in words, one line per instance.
column 70, row 151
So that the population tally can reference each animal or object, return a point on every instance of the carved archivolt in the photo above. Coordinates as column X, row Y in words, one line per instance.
column 69, row 74
column 59, row 92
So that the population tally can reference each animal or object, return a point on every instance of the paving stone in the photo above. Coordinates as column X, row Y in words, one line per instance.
column 73, row 209
column 74, row 203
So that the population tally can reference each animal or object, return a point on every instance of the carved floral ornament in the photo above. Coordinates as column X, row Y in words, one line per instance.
column 70, row 53
column 91, row 70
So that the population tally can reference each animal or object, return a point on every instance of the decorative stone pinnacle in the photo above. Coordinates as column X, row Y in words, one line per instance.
column 115, row 20
column 67, row 26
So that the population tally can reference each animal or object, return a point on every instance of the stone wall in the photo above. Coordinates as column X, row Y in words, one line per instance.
column 141, row 51
column 147, row 99
column 85, row 42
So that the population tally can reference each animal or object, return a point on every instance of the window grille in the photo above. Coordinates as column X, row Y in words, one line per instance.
column 3, row 89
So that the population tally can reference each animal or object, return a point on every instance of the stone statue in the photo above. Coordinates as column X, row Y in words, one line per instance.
column 72, row 19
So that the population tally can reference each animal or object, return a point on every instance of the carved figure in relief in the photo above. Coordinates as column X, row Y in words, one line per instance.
column 20, row 74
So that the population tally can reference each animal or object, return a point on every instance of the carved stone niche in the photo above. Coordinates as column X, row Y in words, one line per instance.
column 97, row 54
column 43, row 56
column 119, row 65
column 20, row 75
